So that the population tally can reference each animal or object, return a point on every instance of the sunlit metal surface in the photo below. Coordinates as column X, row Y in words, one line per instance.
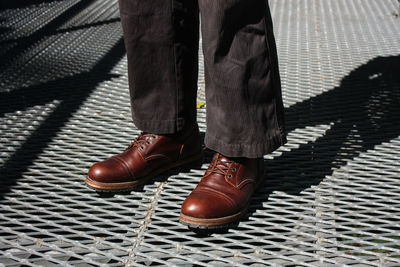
column 332, row 193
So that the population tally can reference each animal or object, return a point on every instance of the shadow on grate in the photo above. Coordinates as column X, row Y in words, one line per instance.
column 69, row 92
column 361, row 113
column 284, row 228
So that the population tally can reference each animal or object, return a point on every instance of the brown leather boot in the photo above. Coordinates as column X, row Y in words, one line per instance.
column 223, row 194
column 147, row 156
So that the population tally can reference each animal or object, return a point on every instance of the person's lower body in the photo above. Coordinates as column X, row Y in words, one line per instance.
column 243, row 99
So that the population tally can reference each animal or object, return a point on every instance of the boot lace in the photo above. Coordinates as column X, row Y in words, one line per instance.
column 141, row 141
column 221, row 167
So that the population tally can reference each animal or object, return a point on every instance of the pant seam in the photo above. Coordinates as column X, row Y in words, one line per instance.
column 272, row 69
column 177, row 96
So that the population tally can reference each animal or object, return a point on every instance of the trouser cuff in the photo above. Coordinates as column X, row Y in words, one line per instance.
column 254, row 150
column 163, row 126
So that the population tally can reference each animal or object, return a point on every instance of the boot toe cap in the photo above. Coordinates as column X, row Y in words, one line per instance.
column 107, row 172
column 206, row 205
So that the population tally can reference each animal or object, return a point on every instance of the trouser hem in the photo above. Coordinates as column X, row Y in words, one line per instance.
column 160, row 126
column 255, row 150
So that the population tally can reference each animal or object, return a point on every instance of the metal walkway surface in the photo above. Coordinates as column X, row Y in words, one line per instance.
column 332, row 194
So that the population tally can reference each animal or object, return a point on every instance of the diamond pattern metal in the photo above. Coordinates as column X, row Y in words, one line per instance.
column 332, row 193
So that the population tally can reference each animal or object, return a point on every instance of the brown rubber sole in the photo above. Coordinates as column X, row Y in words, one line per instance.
column 127, row 186
column 212, row 223
column 219, row 222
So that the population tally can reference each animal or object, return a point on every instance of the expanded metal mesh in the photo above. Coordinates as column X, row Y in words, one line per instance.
column 332, row 194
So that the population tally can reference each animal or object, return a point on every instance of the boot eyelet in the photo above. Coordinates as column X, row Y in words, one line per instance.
column 149, row 143
column 229, row 176
column 233, row 169
column 142, row 147
column 154, row 136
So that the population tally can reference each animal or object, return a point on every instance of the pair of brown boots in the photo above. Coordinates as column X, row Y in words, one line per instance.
column 222, row 195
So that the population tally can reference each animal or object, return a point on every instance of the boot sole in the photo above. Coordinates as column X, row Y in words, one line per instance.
column 213, row 223
column 128, row 186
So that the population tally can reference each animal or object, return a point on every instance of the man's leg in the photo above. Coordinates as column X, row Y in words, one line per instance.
column 244, row 103
column 244, row 108
column 161, row 40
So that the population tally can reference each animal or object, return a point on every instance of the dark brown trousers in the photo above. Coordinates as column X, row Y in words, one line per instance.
column 243, row 91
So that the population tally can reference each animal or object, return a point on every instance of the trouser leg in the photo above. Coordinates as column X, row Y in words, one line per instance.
column 161, row 39
column 243, row 91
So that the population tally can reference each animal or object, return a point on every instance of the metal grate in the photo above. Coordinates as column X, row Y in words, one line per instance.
column 332, row 196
